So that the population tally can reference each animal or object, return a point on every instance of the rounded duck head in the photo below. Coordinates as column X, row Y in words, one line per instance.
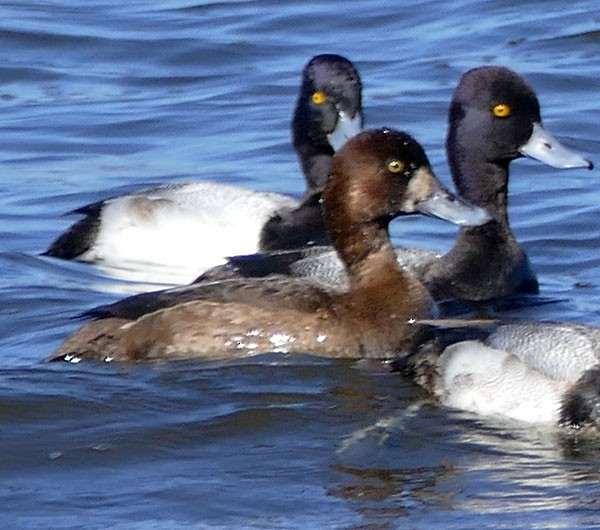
column 362, row 191
column 491, row 115
column 328, row 112
column 378, row 176
column 494, row 118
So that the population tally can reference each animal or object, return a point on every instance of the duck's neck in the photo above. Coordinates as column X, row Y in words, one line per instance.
column 304, row 225
column 486, row 261
column 312, row 146
column 315, row 159
column 371, row 265
column 359, row 244
column 382, row 299
column 291, row 228
column 484, row 184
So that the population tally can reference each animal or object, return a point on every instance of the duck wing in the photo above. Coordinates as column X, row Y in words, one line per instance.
column 272, row 292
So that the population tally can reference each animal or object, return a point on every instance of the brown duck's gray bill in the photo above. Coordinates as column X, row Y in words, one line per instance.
column 546, row 148
column 443, row 204
column 346, row 127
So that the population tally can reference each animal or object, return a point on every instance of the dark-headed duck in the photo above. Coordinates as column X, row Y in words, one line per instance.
column 377, row 176
column 494, row 118
column 535, row 372
column 172, row 233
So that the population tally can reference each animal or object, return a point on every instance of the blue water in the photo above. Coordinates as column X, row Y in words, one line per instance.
column 103, row 97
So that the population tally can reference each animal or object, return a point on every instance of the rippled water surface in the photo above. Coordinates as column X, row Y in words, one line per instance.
column 103, row 97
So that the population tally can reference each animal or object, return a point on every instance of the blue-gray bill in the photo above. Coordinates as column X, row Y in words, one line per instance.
column 445, row 205
column 546, row 148
column 346, row 127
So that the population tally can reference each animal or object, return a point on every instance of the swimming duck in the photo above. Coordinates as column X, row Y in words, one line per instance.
column 494, row 118
column 150, row 231
column 377, row 176
column 535, row 372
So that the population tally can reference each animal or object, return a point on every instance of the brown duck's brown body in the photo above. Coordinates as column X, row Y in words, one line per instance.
column 372, row 322
column 375, row 177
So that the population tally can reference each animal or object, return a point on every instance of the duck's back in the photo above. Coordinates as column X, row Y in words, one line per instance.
column 189, row 227
column 475, row 377
column 523, row 371
column 320, row 264
column 559, row 351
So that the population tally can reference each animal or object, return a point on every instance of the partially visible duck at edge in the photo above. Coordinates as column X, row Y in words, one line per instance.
column 377, row 176
column 494, row 118
column 187, row 228
column 533, row 372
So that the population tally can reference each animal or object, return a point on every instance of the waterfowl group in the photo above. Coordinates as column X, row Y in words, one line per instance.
column 377, row 176
column 494, row 118
column 361, row 297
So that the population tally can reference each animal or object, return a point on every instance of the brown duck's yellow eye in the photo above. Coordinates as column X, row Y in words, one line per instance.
column 502, row 110
column 395, row 166
column 318, row 98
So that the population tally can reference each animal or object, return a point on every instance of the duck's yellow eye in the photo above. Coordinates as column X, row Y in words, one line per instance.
column 502, row 110
column 395, row 166
column 318, row 98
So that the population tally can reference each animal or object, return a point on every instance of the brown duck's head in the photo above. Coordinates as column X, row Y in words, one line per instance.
column 381, row 174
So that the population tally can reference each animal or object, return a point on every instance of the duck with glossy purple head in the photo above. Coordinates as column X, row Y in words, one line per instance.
column 170, row 234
